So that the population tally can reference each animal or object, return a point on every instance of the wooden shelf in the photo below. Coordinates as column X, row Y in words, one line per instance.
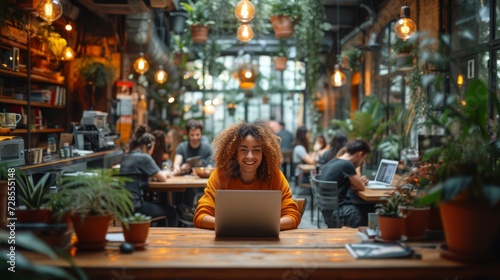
column 34, row 77
column 45, row 130
column 33, row 104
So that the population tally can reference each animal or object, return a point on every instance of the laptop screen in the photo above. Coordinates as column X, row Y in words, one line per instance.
column 386, row 171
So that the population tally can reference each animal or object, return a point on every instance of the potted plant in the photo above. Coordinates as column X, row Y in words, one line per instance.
column 136, row 229
column 180, row 49
column 281, row 56
column 92, row 200
column 390, row 218
column 198, row 19
column 416, row 215
column 351, row 57
column 468, row 176
column 283, row 16
column 404, row 52
column 47, row 34
column 33, row 196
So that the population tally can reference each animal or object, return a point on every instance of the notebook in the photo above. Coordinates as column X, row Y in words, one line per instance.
column 247, row 213
column 385, row 174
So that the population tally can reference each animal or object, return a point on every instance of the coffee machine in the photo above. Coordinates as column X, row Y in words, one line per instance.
column 93, row 133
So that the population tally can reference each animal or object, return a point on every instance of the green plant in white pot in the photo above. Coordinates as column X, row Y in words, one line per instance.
column 468, row 176
column 93, row 199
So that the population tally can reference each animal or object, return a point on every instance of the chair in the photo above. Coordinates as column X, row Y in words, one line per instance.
column 301, row 203
column 326, row 196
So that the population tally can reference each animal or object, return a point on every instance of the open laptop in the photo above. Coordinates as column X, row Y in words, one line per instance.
column 385, row 174
column 247, row 213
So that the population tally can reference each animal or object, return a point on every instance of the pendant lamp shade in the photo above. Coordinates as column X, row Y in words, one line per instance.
column 405, row 27
column 141, row 65
column 244, row 33
column 161, row 76
column 50, row 10
column 68, row 54
column 338, row 78
column 247, row 77
column 244, row 11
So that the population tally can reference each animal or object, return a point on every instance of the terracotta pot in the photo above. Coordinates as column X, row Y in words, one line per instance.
column 283, row 26
column 33, row 215
column 415, row 221
column 199, row 33
column 3, row 203
column 137, row 232
column 470, row 228
column 91, row 231
column 391, row 228
column 280, row 62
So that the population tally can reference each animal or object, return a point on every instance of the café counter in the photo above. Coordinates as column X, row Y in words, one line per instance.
column 101, row 159
column 191, row 253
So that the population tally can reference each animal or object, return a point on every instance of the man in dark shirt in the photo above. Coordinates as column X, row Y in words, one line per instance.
column 286, row 137
column 193, row 147
column 343, row 171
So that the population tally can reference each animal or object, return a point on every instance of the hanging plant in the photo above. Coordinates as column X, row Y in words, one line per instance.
column 95, row 71
column 48, row 34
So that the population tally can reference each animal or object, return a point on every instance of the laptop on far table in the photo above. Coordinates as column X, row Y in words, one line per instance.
column 247, row 213
column 385, row 174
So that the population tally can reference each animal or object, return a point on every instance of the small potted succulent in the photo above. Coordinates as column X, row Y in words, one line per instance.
column 281, row 56
column 416, row 215
column 136, row 229
column 390, row 219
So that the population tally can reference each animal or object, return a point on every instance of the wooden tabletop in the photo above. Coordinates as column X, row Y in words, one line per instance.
column 371, row 195
column 191, row 253
column 178, row 184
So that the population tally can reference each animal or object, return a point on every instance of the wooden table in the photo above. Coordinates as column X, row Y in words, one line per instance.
column 191, row 253
column 371, row 195
column 178, row 184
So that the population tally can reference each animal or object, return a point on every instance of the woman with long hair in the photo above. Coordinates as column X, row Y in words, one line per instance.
column 247, row 157
column 301, row 153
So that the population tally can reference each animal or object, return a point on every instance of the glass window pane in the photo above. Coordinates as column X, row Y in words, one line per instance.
column 470, row 20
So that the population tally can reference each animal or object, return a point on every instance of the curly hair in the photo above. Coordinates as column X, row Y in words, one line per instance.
column 226, row 145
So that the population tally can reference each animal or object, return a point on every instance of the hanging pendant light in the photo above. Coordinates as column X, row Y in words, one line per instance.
column 338, row 78
column 244, row 11
column 405, row 27
column 244, row 33
column 50, row 10
column 161, row 76
column 141, row 65
column 68, row 54
column 247, row 77
column 460, row 80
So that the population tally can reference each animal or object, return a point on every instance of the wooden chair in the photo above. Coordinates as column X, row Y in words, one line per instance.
column 326, row 196
column 301, row 203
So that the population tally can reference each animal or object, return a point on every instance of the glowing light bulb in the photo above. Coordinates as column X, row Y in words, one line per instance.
column 68, row 27
column 171, row 99
column 50, row 10
column 68, row 54
column 141, row 65
column 244, row 11
column 338, row 78
column 405, row 27
column 244, row 33
column 248, row 74
column 460, row 80
column 161, row 76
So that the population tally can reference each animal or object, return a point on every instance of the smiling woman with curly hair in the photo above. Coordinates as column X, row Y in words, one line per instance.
column 247, row 157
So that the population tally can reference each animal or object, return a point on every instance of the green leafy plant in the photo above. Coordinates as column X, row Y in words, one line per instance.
column 33, row 195
column 391, row 206
column 198, row 13
column 95, row 71
column 285, row 8
column 401, row 46
column 282, row 50
column 48, row 34
column 97, row 193
column 469, row 157
column 353, row 56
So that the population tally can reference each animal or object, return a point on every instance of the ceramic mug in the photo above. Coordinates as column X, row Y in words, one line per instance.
column 11, row 119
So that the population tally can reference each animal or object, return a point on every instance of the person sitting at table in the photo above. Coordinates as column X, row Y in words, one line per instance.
column 140, row 166
column 343, row 170
column 336, row 144
column 247, row 156
column 193, row 147
column 301, row 154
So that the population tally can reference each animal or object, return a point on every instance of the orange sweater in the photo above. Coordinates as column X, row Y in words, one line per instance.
column 206, row 204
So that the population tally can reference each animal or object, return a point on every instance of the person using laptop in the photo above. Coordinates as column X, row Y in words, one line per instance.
column 247, row 157
column 343, row 170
